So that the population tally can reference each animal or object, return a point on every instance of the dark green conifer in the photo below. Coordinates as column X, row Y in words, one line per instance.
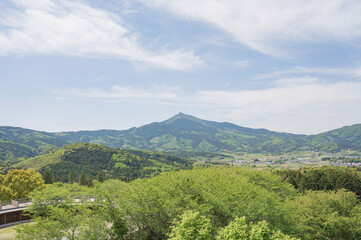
column 100, row 177
column 71, row 177
column 90, row 181
column 82, row 179
column 47, row 177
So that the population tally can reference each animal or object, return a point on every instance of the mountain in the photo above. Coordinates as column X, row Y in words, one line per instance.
column 348, row 137
column 180, row 134
column 113, row 163
column 185, row 132
column 17, row 142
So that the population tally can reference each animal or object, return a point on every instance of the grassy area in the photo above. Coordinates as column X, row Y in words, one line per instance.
column 7, row 233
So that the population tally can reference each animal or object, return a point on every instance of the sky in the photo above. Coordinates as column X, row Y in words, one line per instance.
column 284, row 65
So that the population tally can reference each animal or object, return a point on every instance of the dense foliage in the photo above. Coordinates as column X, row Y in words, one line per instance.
column 211, row 203
column 65, row 212
column 324, row 178
column 17, row 184
column 220, row 194
column 326, row 215
column 92, row 159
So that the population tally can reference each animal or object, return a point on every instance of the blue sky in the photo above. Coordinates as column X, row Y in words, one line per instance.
column 284, row 65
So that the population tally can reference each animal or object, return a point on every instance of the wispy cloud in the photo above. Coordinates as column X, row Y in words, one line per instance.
column 299, row 105
column 73, row 28
column 242, row 64
column 350, row 72
column 155, row 93
column 268, row 26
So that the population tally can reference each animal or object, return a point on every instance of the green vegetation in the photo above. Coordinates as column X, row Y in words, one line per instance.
column 348, row 137
column 17, row 184
column 67, row 218
column 326, row 215
column 19, row 142
column 8, row 233
column 325, row 178
column 219, row 194
column 219, row 202
column 182, row 135
column 92, row 159
column 187, row 133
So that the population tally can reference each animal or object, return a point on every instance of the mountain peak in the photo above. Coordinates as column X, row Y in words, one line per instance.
column 181, row 115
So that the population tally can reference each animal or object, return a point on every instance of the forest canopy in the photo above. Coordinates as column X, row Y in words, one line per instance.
column 220, row 202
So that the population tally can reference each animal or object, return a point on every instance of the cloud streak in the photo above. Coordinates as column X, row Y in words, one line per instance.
column 293, row 104
column 72, row 28
column 116, row 93
column 268, row 26
column 350, row 72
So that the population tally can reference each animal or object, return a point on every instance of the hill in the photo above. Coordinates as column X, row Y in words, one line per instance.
column 335, row 140
column 113, row 163
column 18, row 142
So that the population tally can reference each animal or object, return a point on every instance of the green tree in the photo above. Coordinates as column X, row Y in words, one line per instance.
column 48, row 179
column 65, row 218
column 100, row 177
column 3, row 197
column 71, row 178
column 18, row 183
column 82, row 179
column 218, row 193
column 327, row 215
column 89, row 181
column 239, row 229
column 192, row 226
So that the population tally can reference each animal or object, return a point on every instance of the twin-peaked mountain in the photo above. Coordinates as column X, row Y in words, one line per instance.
column 180, row 133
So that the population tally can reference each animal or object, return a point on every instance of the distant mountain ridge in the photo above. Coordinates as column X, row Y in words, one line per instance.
column 185, row 132
column 17, row 142
column 181, row 133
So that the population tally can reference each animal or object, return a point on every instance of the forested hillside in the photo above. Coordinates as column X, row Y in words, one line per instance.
column 187, row 133
column 341, row 138
column 91, row 159
column 18, row 142
column 184, row 132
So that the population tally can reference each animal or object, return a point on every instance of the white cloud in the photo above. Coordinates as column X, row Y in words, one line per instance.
column 156, row 93
column 242, row 64
column 351, row 72
column 73, row 28
column 301, row 106
column 356, row 72
column 268, row 25
column 296, row 81
column 294, row 105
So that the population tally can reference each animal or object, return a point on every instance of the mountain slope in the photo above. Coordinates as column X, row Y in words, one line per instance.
column 341, row 138
column 180, row 133
column 18, row 142
column 94, row 158
column 184, row 132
